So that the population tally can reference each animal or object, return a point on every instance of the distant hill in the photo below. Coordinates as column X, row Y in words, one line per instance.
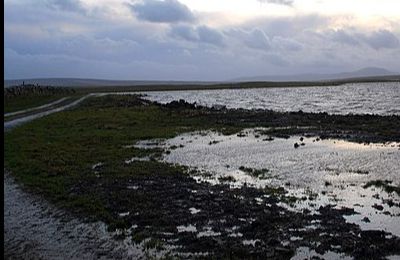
column 78, row 82
column 366, row 74
column 369, row 72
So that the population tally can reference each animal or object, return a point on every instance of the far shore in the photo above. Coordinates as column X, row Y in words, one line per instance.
column 178, row 86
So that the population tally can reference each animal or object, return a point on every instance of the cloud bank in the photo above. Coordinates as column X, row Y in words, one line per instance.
column 168, row 39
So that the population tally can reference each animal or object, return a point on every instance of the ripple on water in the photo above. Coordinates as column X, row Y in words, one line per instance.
column 358, row 98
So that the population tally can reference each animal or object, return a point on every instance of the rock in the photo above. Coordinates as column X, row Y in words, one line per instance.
column 296, row 145
column 218, row 107
column 378, row 207
column 269, row 138
column 366, row 220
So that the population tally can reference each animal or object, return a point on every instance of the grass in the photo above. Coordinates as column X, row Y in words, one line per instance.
column 28, row 96
column 385, row 185
column 54, row 155
column 256, row 173
column 25, row 102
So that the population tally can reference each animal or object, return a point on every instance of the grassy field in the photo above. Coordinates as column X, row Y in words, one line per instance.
column 21, row 103
column 54, row 154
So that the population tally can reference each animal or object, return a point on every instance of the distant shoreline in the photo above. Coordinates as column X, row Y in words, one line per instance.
column 235, row 85
column 147, row 85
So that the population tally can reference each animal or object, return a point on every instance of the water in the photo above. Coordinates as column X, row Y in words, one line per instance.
column 323, row 172
column 356, row 98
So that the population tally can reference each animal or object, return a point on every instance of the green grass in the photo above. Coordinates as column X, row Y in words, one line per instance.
column 54, row 155
column 25, row 102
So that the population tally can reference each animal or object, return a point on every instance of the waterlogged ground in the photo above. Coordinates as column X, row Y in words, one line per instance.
column 319, row 172
column 34, row 229
column 201, row 194
column 357, row 98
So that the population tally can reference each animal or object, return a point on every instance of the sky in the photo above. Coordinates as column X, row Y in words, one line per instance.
column 202, row 40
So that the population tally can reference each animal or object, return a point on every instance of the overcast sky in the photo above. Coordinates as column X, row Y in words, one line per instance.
column 197, row 39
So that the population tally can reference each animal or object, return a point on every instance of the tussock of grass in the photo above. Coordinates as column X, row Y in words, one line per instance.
column 384, row 184
column 256, row 173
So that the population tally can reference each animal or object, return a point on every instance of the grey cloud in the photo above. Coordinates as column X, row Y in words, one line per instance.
column 280, row 2
column 203, row 34
column 66, row 5
column 166, row 11
column 286, row 44
column 275, row 59
column 43, row 39
column 344, row 37
column 254, row 39
column 258, row 40
column 184, row 32
column 382, row 39
column 210, row 35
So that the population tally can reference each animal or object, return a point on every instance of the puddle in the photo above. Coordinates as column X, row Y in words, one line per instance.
column 311, row 165
column 250, row 242
column 318, row 173
column 306, row 253
column 208, row 232
column 135, row 159
column 194, row 211
column 189, row 228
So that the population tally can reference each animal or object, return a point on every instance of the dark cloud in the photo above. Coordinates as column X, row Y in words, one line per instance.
column 185, row 32
column 382, row 39
column 201, row 34
column 211, row 36
column 166, row 11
